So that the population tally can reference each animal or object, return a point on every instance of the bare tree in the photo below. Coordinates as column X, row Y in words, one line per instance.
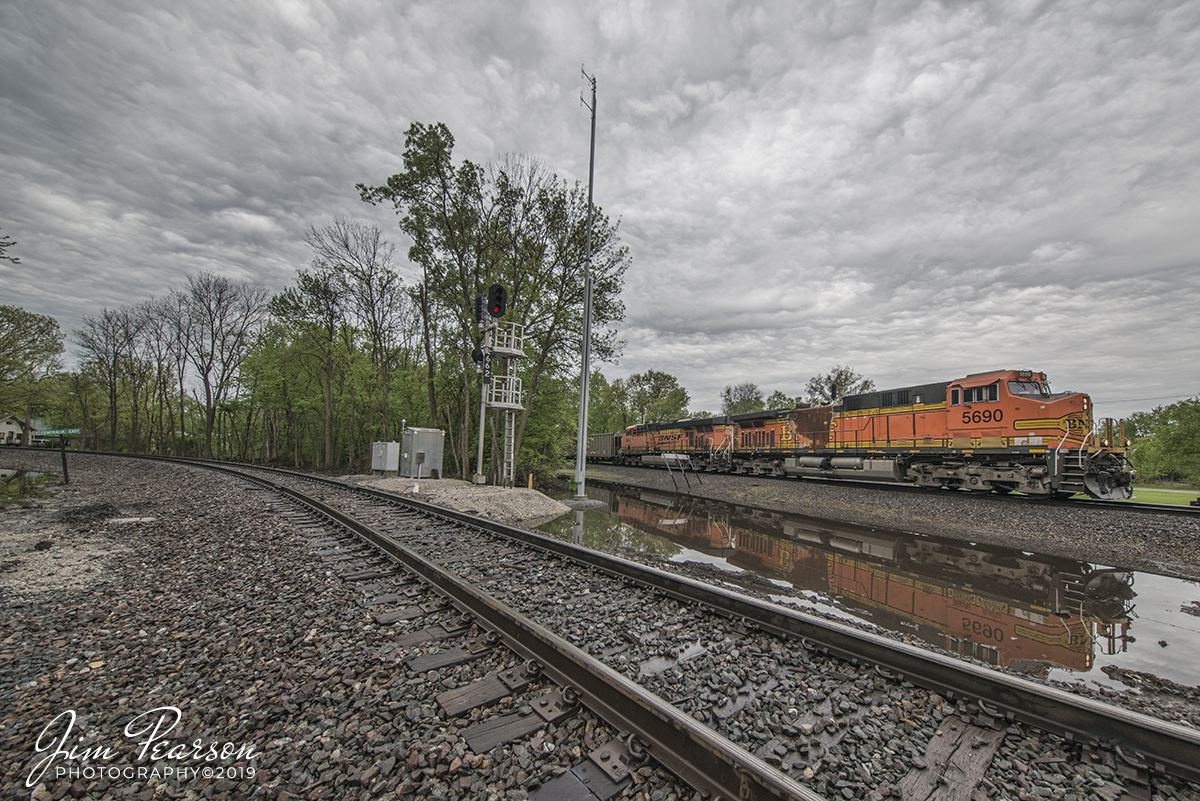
column 223, row 319
column 166, row 337
column 107, row 342
column 175, row 311
column 139, row 367
column 362, row 261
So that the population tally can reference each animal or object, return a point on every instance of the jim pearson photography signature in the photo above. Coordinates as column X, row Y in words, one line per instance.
column 150, row 735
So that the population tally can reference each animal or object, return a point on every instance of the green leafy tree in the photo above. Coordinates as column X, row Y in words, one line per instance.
column 1166, row 443
column 608, row 404
column 516, row 224
column 778, row 400
column 656, row 397
column 315, row 309
column 442, row 208
column 31, row 346
column 743, row 398
column 599, row 395
column 836, row 384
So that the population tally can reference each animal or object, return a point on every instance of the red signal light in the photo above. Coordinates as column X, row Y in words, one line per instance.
column 497, row 300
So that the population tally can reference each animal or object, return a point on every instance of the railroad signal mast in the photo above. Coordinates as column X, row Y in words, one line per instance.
column 505, row 340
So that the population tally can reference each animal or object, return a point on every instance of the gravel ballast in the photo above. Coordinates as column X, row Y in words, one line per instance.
column 167, row 587
column 170, row 588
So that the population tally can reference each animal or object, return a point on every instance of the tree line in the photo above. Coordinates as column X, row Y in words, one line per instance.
column 350, row 352
column 1166, row 442
column 657, row 397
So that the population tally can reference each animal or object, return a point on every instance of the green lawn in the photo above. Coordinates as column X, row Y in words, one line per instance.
column 1172, row 496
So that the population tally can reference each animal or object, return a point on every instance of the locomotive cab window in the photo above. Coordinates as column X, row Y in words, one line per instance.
column 1025, row 388
column 954, row 401
column 982, row 394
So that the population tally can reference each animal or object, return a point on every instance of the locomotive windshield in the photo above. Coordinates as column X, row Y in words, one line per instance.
column 1026, row 388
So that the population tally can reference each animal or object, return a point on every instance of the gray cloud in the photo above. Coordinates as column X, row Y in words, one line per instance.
column 919, row 190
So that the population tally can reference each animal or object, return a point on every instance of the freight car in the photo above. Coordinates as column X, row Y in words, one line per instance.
column 1002, row 431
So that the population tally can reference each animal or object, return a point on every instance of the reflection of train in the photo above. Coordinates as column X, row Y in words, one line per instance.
column 1001, row 606
column 1002, row 431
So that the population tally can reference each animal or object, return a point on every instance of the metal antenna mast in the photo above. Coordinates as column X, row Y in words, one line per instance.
column 585, row 369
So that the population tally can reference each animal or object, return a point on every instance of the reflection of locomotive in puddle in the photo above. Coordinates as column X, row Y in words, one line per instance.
column 1001, row 606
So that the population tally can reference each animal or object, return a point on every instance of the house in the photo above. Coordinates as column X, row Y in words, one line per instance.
column 12, row 426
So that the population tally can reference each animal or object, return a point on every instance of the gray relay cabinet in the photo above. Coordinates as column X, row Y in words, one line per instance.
column 421, row 453
column 385, row 457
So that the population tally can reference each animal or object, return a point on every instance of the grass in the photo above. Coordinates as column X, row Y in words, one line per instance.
column 1155, row 495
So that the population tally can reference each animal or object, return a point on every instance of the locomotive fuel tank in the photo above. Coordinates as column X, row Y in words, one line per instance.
column 848, row 467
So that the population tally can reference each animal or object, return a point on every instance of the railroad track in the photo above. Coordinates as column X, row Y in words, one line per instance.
column 880, row 486
column 738, row 697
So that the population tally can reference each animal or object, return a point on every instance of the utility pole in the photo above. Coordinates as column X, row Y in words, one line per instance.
column 585, row 370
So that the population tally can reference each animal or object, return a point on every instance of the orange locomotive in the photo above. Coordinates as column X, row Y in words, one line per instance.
column 1001, row 431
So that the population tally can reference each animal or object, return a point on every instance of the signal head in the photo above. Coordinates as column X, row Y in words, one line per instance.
column 497, row 300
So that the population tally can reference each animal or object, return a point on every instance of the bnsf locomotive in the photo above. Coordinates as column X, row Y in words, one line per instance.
column 1003, row 431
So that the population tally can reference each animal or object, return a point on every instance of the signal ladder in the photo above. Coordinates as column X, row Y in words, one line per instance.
column 504, row 391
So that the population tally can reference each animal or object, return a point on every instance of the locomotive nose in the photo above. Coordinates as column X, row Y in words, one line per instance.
column 1109, row 484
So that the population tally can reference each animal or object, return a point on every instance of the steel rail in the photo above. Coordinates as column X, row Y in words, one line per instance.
column 1160, row 745
column 1140, row 739
column 1135, row 506
column 700, row 756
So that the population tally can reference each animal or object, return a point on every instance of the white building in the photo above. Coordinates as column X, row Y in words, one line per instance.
column 12, row 426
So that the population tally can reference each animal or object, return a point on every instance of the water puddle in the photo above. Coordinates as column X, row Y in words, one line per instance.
column 1040, row 614
column 20, row 487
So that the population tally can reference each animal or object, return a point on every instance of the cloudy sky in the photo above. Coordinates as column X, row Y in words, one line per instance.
column 916, row 189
